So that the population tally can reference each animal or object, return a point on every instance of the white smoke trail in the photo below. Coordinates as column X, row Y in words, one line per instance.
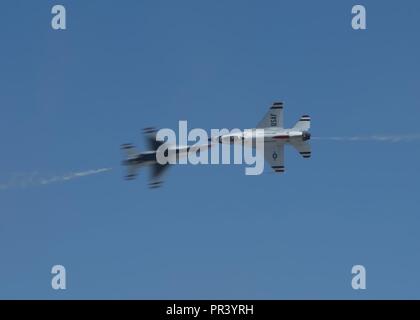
column 381, row 138
column 34, row 179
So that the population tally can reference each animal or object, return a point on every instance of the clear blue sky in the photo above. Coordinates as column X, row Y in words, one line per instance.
column 69, row 99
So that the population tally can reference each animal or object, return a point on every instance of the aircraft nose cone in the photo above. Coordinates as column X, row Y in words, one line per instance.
column 306, row 135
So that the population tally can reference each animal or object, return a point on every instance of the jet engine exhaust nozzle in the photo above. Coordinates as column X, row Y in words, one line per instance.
column 306, row 135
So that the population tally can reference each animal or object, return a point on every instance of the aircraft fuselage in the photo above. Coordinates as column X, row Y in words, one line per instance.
column 268, row 135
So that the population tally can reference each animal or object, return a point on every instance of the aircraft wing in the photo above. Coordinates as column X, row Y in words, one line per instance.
column 156, row 174
column 274, row 155
column 274, row 117
column 150, row 135
column 302, row 147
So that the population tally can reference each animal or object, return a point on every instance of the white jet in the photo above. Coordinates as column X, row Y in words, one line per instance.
column 275, row 136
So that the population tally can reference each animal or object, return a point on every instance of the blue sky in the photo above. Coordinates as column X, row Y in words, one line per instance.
column 70, row 98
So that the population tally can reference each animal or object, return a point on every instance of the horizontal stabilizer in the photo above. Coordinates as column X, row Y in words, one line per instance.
column 303, row 148
column 129, row 150
column 132, row 171
column 304, row 124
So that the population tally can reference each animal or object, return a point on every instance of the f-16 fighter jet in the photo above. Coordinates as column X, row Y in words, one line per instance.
column 135, row 160
column 275, row 136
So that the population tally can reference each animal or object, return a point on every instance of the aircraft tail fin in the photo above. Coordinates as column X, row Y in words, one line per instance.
column 304, row 123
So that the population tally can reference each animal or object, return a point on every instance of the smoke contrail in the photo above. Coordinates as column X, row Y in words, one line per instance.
column 382, row 138
column 35, row 179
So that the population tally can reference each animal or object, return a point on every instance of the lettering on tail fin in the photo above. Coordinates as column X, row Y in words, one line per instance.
column 273, row 120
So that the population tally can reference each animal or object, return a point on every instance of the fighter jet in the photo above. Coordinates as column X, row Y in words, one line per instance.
column 135, row 160
column 275, row 136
